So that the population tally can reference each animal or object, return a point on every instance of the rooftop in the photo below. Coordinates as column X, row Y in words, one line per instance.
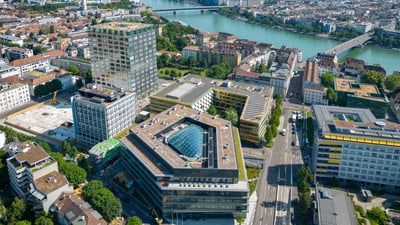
column 334, row 207
column 123, row 26
column 155, row 135
column 30, row 152
column 355, row 122
column 50, row 182
column 104, row 146
column 193, row 87
column 101, row 94
column 369, row 91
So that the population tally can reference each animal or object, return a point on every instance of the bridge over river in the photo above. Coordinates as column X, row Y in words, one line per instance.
column 355, row 42
column 201, row 8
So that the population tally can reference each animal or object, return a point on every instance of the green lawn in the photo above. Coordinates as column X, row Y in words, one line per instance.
column 239, row 157
column 251, row 174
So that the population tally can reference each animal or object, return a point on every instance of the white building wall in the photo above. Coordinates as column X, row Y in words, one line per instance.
column 14, row 97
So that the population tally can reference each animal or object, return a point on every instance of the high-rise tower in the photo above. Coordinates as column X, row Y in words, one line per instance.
column 123, row 55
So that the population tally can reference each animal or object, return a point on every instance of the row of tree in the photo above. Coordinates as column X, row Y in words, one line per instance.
column 102, row 199
column 304, row 190
column 272, row 129
column 47, row 88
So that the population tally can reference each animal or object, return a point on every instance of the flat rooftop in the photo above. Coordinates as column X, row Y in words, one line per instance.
column 122, row 26
column 101, row 94
column 58, row 121
column 50, row 182
column 193, row 87
column 360, row 90
column 353, row 122
column 166, row 123
column 32, row 153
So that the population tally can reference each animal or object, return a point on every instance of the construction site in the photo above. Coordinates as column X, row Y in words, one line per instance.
column 51, row 120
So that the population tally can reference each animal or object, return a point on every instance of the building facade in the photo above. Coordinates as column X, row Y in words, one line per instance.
column 123, row 55
column 181, row 160
column 101, row 112
column 34, row 175
column 252, row 102
column 13, row 95
column 352, row 145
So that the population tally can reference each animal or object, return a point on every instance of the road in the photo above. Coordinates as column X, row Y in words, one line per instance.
column 276, row 188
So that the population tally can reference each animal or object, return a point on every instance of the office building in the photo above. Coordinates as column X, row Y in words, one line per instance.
column 359, row 95
column 34, row 175
column 123, row 55
column 252, row 102
column 101, row 112
column 104, row 154
column 188, row 163
column 351, row 144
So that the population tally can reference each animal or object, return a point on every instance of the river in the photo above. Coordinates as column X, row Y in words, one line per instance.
column 310, row 45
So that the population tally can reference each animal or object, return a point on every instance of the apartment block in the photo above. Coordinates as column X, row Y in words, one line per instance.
column 217, row 55
column 352, row 145
column 123, row 55
column 100, row 113
column 34, row 175
column 13, row 95
column 18, row 53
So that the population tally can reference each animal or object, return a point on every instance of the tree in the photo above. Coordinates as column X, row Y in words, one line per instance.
column 65, row 147
column 392, row 82
column 212, row 110
column 23, row 222
column 327, row 80
column 163, row 60
column 231, row 115
column 91, row 187
column 16, row 210
column 304, row 202
column 373, row 77
column 134, row 220
column 240, row 219
column 191, row 61
column 38, row 49
column 43, row 221
column 73, row 70
column 378, row 215
column 332, row 96
column 218, row 71
column 75, row 174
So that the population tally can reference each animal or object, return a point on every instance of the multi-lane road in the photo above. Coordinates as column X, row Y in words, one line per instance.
column 276, row 189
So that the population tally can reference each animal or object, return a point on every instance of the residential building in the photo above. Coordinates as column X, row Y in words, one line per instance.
column 101, row 112
column 72, row 209
column 65, row 62
column 353, row 94
column 18, row 53
column 34, row 175
column 11, row 40
column 190, row 50
column 352, row 145
column 13, row 95
column 104, row 154
column 8, row 71
column 312, row 90
column 326, row 209
column 395, row 105
column 183, row 161
column 46, row 74
column 123, row 55
column 353, row 66
column 84, row 51
column 216, row 56
column 36, row 61
column 252, row 102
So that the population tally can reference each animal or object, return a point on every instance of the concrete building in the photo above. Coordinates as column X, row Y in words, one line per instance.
column 217, row 55
column 352, row 145
column 123, row 55
column 353, row 94
column 36, row 61
column 101, row 112
column 34, row 175
column 8, row 71
column 190, row 50
column 181, row 160
column 46, row 74
column 104, row 153
column 11, row 40
column 18, row 53
column 13, row 95
column 333, row 207
column 395, row 105
column 252, row 102
column 72, row 209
